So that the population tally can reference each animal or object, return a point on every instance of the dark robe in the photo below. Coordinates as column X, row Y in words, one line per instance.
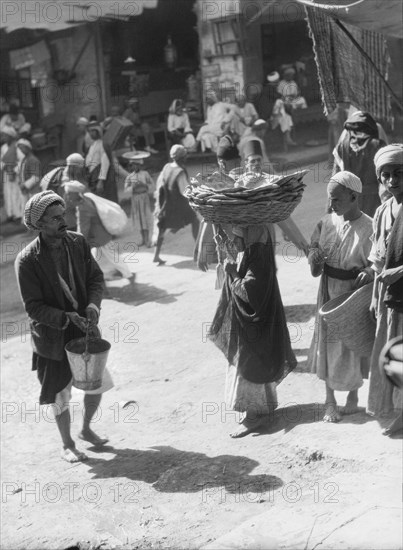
column 249, row 326
column 110, row 191
column 174, row 209
column 356, row 149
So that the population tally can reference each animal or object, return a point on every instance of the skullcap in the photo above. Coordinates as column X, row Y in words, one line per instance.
column 177, row 152
column 36, row 206
column 391, row 154
column 75, row 159
column 273, row 77
column 348, row 180
column 260, row 123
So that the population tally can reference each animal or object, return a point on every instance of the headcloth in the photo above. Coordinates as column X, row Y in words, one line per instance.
column 391, row 154
column 177, row 152
column 36, row 206
column 347, row 179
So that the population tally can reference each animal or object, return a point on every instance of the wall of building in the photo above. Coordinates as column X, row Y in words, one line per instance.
column 224, row 73
column 82, row 96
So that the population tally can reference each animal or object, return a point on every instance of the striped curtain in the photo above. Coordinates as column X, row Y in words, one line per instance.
column 344, row 73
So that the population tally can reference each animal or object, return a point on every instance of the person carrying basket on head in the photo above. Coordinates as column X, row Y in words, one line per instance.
column 250, row 328
column 61, row 288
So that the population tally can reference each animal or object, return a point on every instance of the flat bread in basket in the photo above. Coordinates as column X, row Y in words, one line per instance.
column 271, row 202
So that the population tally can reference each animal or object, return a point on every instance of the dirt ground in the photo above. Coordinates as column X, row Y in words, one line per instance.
column 171, row 477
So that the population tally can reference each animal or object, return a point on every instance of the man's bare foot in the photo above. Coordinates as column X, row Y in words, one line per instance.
column 351, row 406
column 247, row 427
column 396, row 426
column 92, row 437
column 331, row 413
column 71, row 454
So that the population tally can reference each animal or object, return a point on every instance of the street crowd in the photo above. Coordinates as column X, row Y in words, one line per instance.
column 357, row 244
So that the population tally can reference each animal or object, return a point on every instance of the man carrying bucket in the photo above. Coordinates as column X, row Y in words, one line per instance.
column 61, row 287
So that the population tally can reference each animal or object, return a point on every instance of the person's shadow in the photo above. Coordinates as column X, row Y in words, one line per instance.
column 288, row 417
column 170, row 470
column 140, row 293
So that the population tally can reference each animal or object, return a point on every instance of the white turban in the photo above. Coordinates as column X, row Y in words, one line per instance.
column 25, row 142
column 347, row 179
column 177, row 152
column 75, row 159
column 36, row 206
column 391, row 154
column 82, row 120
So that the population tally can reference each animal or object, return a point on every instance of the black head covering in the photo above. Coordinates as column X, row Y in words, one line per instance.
column 227, row 149
column 361, row 121
column 253, row 147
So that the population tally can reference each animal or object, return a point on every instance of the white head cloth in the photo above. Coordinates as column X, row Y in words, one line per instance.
column 347, row 179
column 75, row 159
column 25, row 142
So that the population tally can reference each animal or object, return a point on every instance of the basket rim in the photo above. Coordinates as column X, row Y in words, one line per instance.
column 348, row 297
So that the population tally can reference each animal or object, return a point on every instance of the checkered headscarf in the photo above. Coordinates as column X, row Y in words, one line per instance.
column 36, row 206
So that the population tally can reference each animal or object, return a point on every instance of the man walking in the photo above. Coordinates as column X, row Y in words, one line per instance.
column 61, row 287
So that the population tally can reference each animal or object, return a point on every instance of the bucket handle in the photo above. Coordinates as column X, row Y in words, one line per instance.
column 86, row 356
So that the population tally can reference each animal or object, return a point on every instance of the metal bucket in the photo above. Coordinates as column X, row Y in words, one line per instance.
column 88, row 369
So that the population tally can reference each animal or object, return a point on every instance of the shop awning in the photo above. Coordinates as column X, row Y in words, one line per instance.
column 381, row 16
column 57, row 15
column 384, row 17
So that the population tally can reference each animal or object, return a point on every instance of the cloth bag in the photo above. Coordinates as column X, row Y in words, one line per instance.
column 113, row 217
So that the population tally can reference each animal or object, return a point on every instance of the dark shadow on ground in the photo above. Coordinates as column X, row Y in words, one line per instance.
column 286, row 418
column 140, row 293
column 185, row 264
column 301, row 313
column 170, row 470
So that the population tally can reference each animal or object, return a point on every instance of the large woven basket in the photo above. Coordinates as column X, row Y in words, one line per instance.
column 269, row 203
column 348, row 319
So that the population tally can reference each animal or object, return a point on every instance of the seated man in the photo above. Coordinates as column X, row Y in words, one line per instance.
column 178, row 126
column 290, row 91
column 244, row 115
column 140, row 128
column 281, row 112
column 218, row 119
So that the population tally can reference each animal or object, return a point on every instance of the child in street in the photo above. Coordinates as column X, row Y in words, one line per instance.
column 339, row 250
column 142, row 188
